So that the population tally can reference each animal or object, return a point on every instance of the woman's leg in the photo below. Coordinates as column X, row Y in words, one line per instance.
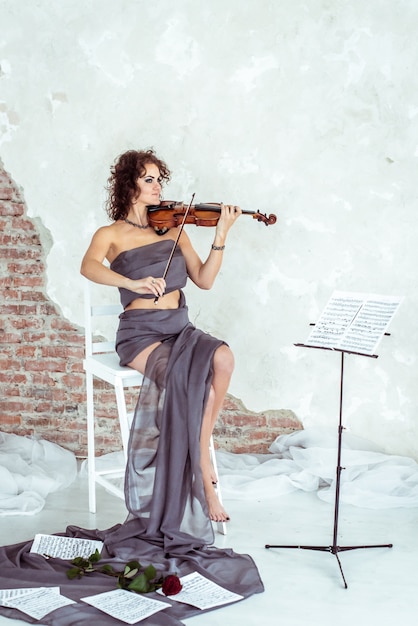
column 140, row 361
column 223, row 365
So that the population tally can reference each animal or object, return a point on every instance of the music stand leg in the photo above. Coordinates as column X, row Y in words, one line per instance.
column 334, row 548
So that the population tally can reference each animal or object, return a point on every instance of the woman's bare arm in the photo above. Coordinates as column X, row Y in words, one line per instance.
column 204, row 274
column 92, row 267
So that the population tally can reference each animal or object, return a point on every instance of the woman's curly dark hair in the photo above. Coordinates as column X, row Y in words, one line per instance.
column 122, row 182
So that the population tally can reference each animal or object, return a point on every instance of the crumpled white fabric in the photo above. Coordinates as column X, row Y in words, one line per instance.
column 30, row 469
column 307, row 460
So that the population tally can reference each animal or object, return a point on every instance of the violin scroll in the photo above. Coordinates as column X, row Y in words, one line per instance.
column 262, row 217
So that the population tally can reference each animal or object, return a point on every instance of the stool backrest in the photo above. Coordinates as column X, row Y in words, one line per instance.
column 94, row 345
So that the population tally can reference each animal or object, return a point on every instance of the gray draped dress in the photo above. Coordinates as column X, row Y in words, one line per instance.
column 168, row 523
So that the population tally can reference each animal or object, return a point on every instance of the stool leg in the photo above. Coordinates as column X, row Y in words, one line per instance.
column 221, row 526
column 91, row 443
column 123, row 415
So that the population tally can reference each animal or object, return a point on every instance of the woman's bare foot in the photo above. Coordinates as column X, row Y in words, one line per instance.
column 217, row 512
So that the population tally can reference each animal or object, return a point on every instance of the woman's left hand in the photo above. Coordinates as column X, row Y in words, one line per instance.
column 229, row 213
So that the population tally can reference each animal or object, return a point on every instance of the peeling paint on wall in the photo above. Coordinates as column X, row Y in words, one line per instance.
column 305, row 110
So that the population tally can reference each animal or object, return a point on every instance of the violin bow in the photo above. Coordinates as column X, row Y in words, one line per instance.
column 176, row 242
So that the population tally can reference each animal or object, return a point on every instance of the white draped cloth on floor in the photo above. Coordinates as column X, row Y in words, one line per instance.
column 307, row 460
column 30, row 469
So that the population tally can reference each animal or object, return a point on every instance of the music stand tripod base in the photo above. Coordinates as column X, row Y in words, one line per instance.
column 334, row 548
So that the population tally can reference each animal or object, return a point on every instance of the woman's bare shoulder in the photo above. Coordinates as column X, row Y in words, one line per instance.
column 108, row 232
column 104, row 240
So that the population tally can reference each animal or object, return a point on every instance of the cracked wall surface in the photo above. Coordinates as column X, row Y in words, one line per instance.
column 305, row 110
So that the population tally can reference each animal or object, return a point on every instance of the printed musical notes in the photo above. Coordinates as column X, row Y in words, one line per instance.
column 64, row 547
column 353, row 322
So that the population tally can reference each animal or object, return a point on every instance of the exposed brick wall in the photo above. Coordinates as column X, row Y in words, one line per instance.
column 241, row 430
column 41, row 377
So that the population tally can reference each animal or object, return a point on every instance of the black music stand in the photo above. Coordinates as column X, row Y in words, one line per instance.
column 348, row 320
column 335, row 548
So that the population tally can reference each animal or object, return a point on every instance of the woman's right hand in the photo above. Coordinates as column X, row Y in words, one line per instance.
column 149, row 285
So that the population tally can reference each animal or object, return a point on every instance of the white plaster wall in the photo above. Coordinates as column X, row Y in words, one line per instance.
column 305, row 109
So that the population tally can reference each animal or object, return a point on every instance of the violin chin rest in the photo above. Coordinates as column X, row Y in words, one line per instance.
column 161, row 231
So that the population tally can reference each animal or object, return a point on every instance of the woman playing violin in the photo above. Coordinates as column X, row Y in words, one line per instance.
column 186, row 372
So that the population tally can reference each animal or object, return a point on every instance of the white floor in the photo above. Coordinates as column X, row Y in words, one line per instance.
column 302, row 587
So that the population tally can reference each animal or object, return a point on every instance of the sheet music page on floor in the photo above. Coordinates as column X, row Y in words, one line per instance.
column 203, row 593
column 64, row 547
column 354, row 322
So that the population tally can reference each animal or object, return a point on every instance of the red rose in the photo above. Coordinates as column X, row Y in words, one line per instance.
column 171, row 585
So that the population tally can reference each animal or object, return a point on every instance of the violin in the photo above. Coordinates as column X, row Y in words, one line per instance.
column 169, row 214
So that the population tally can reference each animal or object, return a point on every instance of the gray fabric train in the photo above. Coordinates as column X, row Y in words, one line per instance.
column 168, row 523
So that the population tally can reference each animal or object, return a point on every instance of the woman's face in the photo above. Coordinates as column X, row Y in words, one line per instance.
column 149, row 185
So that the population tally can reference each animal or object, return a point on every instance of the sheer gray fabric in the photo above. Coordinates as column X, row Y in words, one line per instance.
column 150, row 260
column 139, row 328
column 163, row 478
column 168, row 523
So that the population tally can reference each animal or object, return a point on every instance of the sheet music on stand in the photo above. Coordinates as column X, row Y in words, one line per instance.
column 353, row 322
